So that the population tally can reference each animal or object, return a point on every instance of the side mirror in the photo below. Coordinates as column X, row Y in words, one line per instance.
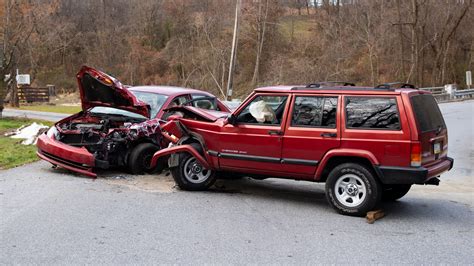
column 231, row 119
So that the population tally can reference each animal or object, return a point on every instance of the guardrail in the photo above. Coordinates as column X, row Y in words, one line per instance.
column 449, row 92
column 439, row 93
column 464, row 93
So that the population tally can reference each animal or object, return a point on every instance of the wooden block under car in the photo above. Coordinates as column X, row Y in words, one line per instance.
column 374, row 215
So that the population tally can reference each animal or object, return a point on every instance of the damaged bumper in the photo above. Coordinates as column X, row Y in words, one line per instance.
column 72, row 158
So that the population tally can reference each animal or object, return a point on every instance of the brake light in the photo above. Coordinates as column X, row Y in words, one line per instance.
column 415, row 154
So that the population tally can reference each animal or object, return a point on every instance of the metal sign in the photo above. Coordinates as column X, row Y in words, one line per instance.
column 468, row 78
column 23, row 79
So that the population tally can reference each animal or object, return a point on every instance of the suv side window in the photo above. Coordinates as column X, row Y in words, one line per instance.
column 372, row 113
column 263, row 110
column 314, row 111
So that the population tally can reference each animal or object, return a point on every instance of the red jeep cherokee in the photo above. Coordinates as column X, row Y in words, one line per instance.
column 366, row 143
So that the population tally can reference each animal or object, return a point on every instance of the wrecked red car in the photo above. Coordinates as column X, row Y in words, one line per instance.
column 366, row 143
column 119, row 126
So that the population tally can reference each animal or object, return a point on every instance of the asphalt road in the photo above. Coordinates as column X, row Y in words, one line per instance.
column 49, row 216
column 48, row 116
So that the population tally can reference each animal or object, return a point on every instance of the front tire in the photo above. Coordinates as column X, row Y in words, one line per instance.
column 352, row 189
column 140, row 158
column 190, row 174
column 394, row 192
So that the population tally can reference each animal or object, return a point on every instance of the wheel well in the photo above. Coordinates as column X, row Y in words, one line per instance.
column 134, row 144
column 335, row 161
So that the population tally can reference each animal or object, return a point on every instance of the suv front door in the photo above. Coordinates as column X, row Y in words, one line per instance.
column 255, row 141
column 312, row 129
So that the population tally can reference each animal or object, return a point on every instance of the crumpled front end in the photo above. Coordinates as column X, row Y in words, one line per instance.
column 76, row 159
column 81, row 143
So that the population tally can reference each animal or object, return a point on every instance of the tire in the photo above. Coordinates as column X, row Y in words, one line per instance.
column 140, row 158
column 190, row 175
column 352, row 189
column 394, row 192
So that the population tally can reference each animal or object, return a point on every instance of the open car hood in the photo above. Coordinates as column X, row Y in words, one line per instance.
column 202, row 114
column 100, row 89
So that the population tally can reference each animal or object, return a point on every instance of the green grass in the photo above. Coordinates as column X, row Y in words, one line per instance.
column 12, row 152
column 52, row 108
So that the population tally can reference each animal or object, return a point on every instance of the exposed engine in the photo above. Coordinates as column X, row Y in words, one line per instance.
column 108, row 138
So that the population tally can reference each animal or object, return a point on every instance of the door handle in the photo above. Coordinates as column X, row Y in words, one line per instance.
column 275, row 132
column 328, row 135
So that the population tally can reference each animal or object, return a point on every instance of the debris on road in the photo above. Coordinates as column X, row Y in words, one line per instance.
column 161, row 183
column 29, row 133
column 372, row 216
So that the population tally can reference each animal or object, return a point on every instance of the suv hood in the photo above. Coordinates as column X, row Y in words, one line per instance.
column 201, row 114
column 100, row 89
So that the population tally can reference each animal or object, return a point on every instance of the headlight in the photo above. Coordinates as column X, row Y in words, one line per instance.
column 53, row 132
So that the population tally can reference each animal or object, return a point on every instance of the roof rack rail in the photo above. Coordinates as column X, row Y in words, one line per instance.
column 391, row 85
column 320, row 84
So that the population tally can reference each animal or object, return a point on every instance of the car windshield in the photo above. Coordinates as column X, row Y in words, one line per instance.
column 155, row 100
column 114, row 111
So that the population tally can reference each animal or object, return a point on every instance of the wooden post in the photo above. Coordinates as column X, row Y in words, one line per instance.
column 233, row 52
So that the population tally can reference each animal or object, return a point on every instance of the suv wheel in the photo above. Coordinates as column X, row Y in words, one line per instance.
column 394, row 192
column 351, row 189
column 190, row 174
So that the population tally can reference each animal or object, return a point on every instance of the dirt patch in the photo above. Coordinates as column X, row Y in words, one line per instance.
column 162, row 183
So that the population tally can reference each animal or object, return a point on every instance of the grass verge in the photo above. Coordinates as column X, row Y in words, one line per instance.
column 12, row 152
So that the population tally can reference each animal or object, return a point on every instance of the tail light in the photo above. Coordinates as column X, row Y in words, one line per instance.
column 415, row 154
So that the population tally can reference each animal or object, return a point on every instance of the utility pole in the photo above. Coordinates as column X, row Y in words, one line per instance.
column 234, row 51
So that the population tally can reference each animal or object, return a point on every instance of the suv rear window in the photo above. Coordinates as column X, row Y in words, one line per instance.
column 310, row 111
column 372, row 113
column 427, row 113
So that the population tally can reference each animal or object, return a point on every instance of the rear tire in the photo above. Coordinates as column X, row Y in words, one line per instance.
column 352, row 189
column 140, row 158
column 394, row 192
column 190, row 174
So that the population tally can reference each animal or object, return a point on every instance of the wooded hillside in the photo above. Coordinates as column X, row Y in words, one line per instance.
column 188, row 42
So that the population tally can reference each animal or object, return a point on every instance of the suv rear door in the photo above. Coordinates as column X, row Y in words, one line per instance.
column 432, row 132
column 377, row 124
column 311, row 131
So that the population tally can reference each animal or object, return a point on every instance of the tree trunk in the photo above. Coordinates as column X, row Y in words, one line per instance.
column 3, row 90
column 400, row 38
column 260, row 40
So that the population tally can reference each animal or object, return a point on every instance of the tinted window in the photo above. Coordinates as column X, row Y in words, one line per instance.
column 263, row 110
column 314, row 111
column 427, row 113
column 368, row 112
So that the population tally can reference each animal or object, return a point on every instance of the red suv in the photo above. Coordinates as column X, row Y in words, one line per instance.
column 366, row 143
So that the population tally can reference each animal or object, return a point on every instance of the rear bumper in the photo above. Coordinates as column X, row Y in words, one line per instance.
column 72, row 158
column 411, row 175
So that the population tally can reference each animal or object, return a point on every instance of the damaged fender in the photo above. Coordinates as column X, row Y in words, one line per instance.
column 181, row 148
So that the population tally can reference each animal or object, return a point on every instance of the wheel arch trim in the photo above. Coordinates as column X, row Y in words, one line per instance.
column 344, row 153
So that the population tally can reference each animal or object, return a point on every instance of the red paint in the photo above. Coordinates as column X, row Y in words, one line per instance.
column 389, row 148
column 177, row 149
column 71, row 157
